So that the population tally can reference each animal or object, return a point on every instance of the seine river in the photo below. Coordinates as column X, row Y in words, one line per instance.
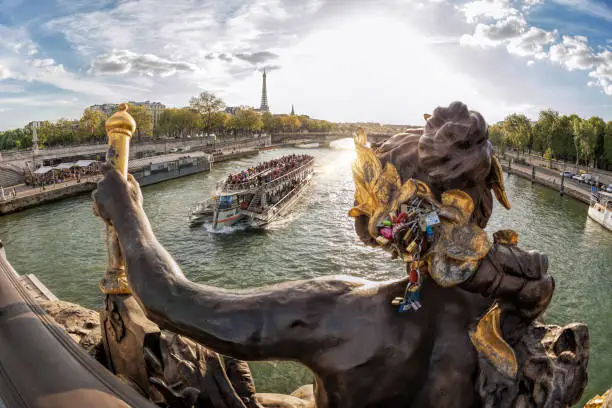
column 62, row 243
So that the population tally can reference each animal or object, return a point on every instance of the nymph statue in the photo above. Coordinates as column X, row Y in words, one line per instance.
column 459, row 330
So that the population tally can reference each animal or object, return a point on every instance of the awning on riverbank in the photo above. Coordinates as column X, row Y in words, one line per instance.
column 64, row 166
column 83, row 163
column 43, row 170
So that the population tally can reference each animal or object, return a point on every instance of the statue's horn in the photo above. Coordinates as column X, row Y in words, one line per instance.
column 488, row 340
column 426, row 116
column 120, row 127
column 495, row 181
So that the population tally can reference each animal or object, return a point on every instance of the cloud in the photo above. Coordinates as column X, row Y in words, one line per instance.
column 532, row 43
column 491, row 35
column 119, row 62
column 511, row 29
column 573, row 53
column 4, row 72
column 257, row 57
column 530, row 63
column 496, row 9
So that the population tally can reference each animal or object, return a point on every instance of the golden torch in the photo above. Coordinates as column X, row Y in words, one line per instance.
column 119, row 129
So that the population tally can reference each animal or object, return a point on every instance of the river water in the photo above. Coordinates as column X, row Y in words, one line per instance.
column 62, row 243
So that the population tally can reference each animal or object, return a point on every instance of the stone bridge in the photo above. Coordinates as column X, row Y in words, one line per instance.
column 324, row 139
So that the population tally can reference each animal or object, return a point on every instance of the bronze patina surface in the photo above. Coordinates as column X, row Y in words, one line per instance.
column 363, row 353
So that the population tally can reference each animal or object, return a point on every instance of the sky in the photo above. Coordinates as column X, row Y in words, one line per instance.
column 385, row 61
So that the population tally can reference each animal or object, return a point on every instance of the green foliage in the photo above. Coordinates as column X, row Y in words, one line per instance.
column 207, row 105
column 246, row 120
column 517, row 129
column 15, row 139
column 607, row 143
column 91, row 125
column 62, row 132
column 144, row 120
column 178, row 122
column 496, row 135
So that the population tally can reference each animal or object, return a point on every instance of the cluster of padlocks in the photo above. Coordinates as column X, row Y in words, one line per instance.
column 410, row 233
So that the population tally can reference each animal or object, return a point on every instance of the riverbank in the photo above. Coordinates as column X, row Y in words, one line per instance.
column 35, row 197
column 28, row 197
column 550, row 179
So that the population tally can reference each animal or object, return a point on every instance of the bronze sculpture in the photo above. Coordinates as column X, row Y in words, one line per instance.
column 460, row 349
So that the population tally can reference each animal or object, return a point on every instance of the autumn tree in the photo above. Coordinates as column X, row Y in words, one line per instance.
column 178, row 122
column 221, row 122
column 246, row 120
column 91, row 124
column 144, row 120
column 207, row 105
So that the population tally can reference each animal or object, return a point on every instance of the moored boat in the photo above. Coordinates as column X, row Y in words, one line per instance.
column 600, row 209
column 258, row 195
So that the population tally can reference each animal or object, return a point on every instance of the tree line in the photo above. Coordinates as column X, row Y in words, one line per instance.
column 205, row 115
column 555, row 136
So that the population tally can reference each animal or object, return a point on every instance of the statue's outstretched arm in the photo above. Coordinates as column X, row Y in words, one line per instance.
column 282, row 321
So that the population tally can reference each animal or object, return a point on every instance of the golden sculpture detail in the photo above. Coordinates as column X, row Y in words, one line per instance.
column 495, row 181
column 506, row 237
column 378, row 189
column 119, row 129
column 488, row 340
column 598, row 400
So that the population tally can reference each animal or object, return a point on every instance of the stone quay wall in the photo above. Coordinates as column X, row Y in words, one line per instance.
column 52, row 193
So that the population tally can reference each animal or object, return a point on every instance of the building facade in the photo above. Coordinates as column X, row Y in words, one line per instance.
column 156, row 108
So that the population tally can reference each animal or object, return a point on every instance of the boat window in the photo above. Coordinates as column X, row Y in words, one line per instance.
column 226, row 202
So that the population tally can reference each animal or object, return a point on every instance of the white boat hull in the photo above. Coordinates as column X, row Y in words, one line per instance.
column 229, row 217
column 602, row 216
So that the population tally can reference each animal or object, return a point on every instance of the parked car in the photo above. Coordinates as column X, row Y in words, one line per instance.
column 609, row 188
column 567, row 174
column 577, row 177
column 587, row 178
column 174, row 150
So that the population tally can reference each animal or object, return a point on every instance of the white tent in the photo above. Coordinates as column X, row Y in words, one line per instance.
column 43, row 170
column 64, row 166
column 83, row 163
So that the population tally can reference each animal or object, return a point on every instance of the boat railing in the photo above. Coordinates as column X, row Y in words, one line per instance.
column 248, row 185
column 265, row 214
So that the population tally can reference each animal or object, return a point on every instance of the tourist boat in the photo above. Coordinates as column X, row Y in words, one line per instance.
column 600, row 209
column 256, row 196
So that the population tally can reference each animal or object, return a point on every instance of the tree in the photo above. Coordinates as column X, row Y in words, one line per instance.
column 178, row 122
column 221, row 122
column 517, row 128
column 246, row 120
column 91, row 125
column 607, row 144
column 544, row 130
column 144, row 120
column 207, row 105
column 496, row 136
column 599, row 129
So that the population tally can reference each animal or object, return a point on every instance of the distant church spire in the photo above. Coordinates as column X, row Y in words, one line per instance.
column 292, row 111
column 264, row 95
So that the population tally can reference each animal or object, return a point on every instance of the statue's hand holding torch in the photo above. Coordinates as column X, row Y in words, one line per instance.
column 119, row 128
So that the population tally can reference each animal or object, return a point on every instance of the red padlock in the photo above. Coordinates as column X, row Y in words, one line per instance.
column 414, row 276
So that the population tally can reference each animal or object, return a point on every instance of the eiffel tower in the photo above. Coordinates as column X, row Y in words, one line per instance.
column 264, row 95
